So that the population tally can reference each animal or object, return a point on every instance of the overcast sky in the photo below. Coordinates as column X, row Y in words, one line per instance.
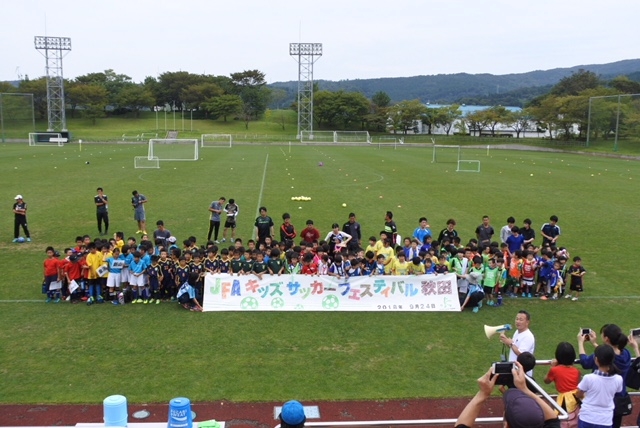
column 361, row 38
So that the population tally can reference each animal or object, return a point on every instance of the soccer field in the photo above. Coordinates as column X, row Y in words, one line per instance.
column 77, row 353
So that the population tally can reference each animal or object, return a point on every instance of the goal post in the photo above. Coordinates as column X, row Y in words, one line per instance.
column 146, row 162
column 173, row 149
column 335, row 137
column 216, row 140
column 39, row 139
column 465, row 165
column 353, row 137
column 318, row 137
column 386, row 142
column 445, row 154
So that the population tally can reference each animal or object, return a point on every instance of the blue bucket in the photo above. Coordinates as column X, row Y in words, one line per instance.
column 115, row 411
column 180, row 413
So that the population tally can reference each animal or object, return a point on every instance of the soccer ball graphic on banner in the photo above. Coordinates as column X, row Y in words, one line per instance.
column 277, row 303
column 249, row 303
column 330, row 302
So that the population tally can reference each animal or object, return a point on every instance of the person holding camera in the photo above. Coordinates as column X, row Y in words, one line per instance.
column 522, row 408
column 523, row 339
column 613, row 336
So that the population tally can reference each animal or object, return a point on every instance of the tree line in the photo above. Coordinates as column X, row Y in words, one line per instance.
column 95, row 95
column 563, row 110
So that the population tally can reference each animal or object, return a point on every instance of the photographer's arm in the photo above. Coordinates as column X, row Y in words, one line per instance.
column 634, row 344
column 472, row 410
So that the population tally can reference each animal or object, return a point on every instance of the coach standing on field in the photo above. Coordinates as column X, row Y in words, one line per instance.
column 102, row 211
column 263, row 226
column 20, row 211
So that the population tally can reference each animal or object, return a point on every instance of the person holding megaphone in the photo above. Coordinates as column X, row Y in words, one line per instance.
column 522, row 340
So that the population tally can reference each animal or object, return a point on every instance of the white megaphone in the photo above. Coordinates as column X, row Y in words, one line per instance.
column 491, row 330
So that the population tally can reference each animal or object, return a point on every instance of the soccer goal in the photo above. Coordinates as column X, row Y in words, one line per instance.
column 216, row 140
column 352, row 137
column 445, row 154
column 173, row 149
column 317, row 137
column 468, row 166
column 46, row 139
column 146, row 162
column 386, row 142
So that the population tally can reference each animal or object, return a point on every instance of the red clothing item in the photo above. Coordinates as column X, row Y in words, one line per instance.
column 309, row 269
column 310, row 234
column 74, row 270
column 565, row 377
column 529, row 269
column 51, row 266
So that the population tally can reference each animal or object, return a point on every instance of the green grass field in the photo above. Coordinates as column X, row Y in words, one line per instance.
column 80, row 354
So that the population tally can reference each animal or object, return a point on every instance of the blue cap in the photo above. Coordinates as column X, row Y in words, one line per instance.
column 292, row 413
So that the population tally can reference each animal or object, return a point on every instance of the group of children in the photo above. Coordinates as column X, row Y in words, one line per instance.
column 150, row 272
column 492, row 272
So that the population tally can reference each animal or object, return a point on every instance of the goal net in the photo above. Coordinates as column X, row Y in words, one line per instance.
column 17, row 117
column 317, row 137
column 352, row 137
column 216, row 140
column 173, row 149
column 386, row 141
column 146, row 162
column 335, row 137
column 614, row 121
column 468, row 166
column 445, row 154
column 45, row 139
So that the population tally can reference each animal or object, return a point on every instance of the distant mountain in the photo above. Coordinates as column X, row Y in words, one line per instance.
column 447, row 88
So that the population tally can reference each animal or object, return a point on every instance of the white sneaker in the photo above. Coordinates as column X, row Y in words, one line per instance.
column 574, row 299
column 568, row 296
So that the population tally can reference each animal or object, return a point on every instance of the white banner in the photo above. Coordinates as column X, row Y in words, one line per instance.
column 225, row 292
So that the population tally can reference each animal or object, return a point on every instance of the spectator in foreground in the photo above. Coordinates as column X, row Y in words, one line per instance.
column 292, row 415
column 522, row 408
column 566, row 378
column 613, row 336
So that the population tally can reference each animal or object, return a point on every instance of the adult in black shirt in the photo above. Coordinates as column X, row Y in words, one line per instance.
column 527, row 233
column 102, row 211
column 550, row 231
column 390, row 228
column 20, row 219
column 484, row 232
column 448, row 232
column 263, row 226
column 352, row 227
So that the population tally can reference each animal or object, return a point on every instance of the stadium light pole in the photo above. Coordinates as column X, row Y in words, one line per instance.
column 306, row 55
column 53, row 49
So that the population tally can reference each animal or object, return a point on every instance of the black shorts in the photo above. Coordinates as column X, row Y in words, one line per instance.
column 230, row 224
column 184, row 299
column 576, row 287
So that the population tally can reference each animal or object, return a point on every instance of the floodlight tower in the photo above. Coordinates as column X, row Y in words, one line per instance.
column 52, row 48
column 307, row 54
